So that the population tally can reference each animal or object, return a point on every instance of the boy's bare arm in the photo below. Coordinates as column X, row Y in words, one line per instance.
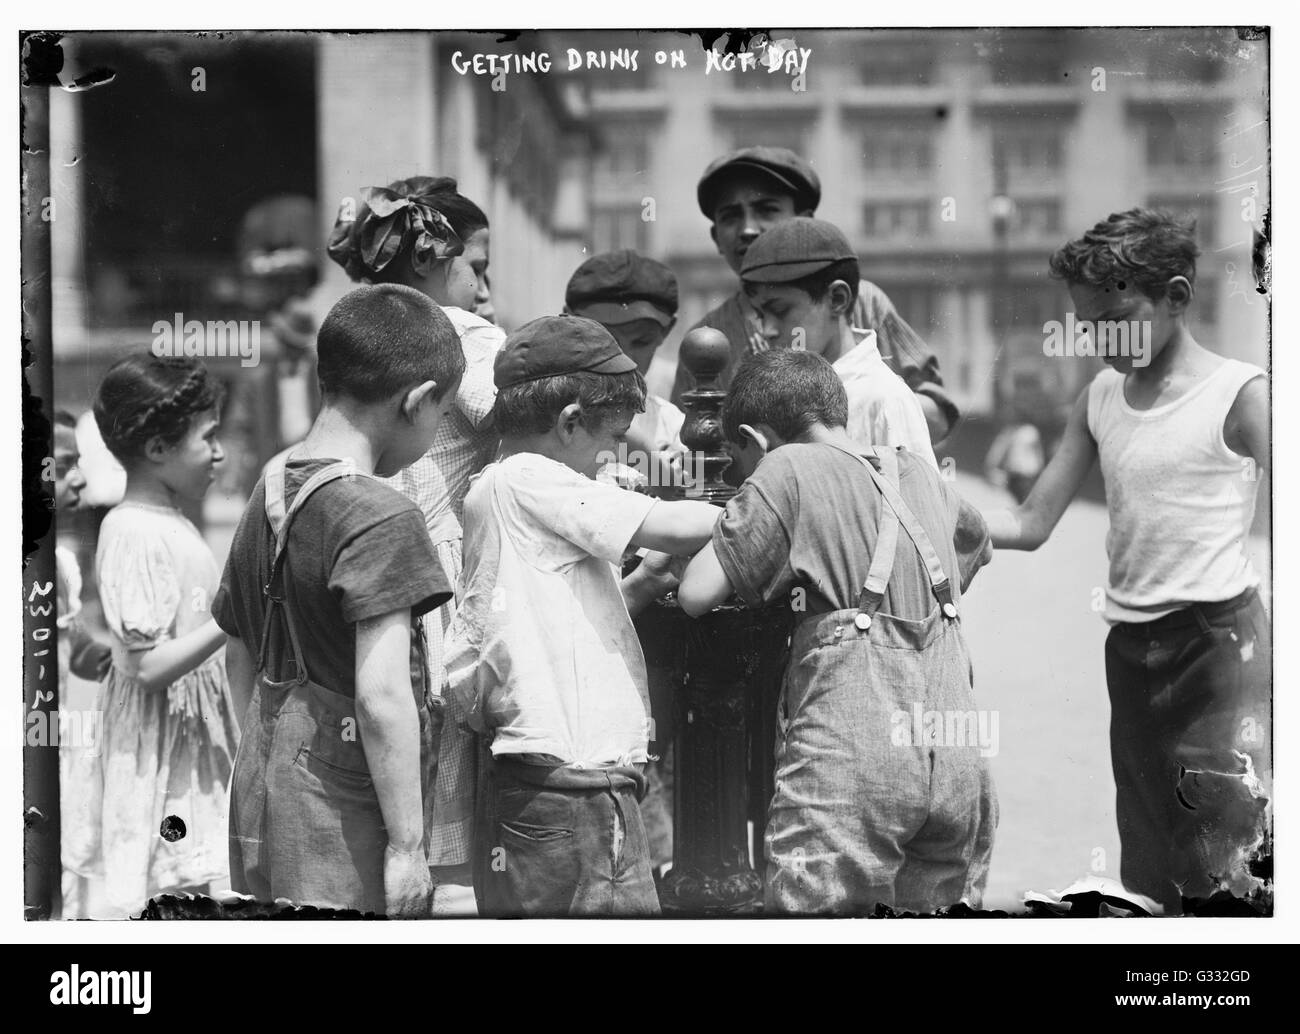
column 1245, row 431
column 388, row 724
column 655, row 576
column 704, row 585
column 1029, row 524
column 680, row 528
column 240, row 673
column 389, row 730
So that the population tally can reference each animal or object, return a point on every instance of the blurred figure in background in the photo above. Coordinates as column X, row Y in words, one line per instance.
column 1016, row 457
column 80, row 654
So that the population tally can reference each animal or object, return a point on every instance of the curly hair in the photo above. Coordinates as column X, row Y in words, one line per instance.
column 431, row 206
column 1146, row 246
column 144, row 397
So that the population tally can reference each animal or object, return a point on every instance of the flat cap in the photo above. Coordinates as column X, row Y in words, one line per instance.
column 794, row 175
column 553, row 346
column 794, row 249
column 621, row 286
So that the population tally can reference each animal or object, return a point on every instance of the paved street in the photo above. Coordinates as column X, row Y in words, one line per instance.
column 1037, row 648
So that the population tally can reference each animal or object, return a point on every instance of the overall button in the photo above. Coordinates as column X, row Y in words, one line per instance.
column 863, row 621
column 950, row 609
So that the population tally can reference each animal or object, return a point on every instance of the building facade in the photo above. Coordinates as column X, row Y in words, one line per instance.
column 917, row 134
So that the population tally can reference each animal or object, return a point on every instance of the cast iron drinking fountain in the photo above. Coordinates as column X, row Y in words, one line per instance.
column 723, row 675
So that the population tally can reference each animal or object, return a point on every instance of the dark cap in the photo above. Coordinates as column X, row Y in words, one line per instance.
column 621, row 286
column 794, row 249
column 557, row 345
column 792, row 173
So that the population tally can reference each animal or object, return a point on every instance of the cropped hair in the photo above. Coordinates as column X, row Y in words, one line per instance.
column 817, row 285
column 380, row 339
column 147, row 396
column 531, row 407
column 1146, row 246
column 419, row 221
column 787, row 390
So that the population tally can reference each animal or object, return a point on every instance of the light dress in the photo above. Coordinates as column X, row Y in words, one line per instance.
column 166, row 756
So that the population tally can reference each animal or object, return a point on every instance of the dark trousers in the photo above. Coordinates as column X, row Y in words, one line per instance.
column 1190, row 736
column 559, row 842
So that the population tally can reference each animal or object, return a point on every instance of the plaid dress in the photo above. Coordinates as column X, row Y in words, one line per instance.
column 437, row 482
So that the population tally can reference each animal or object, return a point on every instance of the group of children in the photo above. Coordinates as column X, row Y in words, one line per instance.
column 428, row 640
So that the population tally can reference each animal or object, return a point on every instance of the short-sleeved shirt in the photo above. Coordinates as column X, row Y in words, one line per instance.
column 357, row 550
column 542, row 650
column 156, row 578
column 808, row 517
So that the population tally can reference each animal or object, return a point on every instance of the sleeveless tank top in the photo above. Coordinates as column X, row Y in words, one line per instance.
column 1181, row 502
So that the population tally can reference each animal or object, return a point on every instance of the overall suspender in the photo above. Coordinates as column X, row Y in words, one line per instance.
column 895, row 513
column 276, row 589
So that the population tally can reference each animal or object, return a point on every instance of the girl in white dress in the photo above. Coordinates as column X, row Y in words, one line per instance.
column 169, row 732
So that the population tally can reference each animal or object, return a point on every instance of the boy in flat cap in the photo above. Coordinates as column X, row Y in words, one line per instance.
column 635, row 299
column 801, row 277
column 749, row 191
column 543, row 651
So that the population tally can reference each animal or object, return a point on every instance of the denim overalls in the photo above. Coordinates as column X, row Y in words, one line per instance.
column 882, row 795
column 305, row 822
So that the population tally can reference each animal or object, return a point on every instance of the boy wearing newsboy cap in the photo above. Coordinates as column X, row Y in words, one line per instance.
column 801, row 277
column 543, row 652
column 635, row 299
column 744, row 194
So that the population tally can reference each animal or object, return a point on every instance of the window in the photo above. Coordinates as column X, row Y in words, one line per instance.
column 1040, row 217
column 1178, row 148
column 902, row 63
column 1029, row 149
column 888, row 220
column 1197, row 56
column 1193, row 206
column 624, row 153
column 765, row 131
column 1021, row 59
column 1031, row 304
column 897, row 151
column 918, row 304
column 617, row 227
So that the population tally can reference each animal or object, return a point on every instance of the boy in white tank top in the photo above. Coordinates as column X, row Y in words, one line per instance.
column 1182, row 435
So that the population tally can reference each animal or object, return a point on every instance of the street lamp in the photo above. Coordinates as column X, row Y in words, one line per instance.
column 1002, row 209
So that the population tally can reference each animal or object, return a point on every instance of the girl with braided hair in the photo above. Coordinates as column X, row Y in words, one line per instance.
column 421, row 233
column 169, row 729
